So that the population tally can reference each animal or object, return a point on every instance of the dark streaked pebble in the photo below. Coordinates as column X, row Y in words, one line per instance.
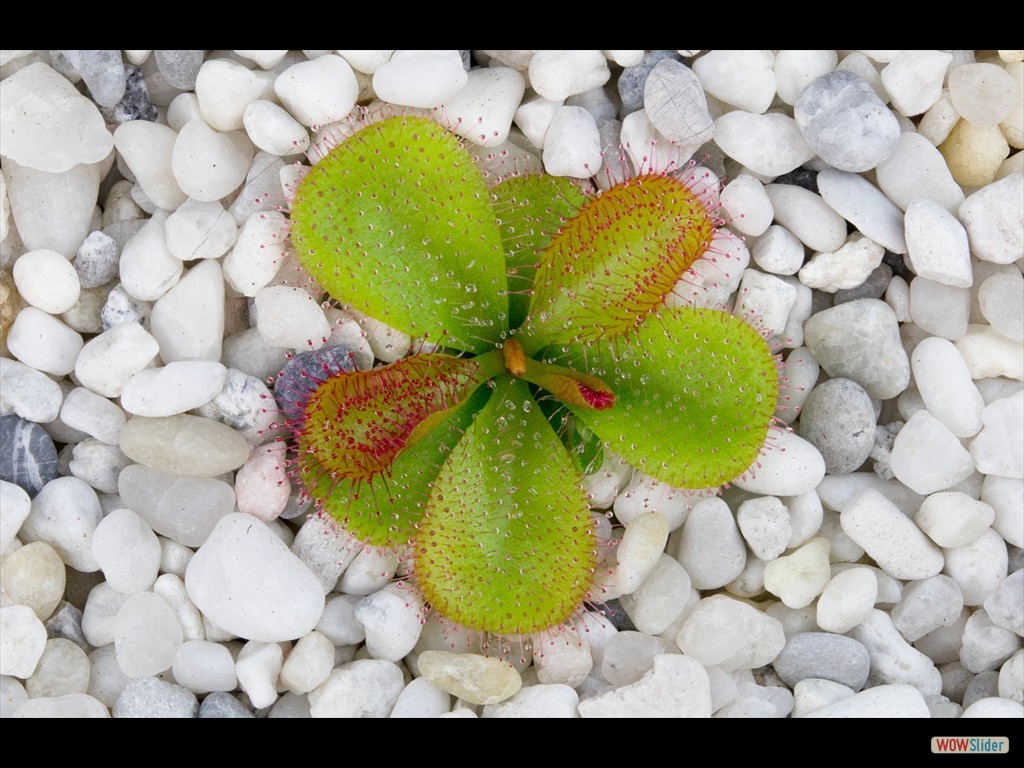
column 28, row 457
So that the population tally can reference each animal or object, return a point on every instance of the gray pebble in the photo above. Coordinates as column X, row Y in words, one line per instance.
column 28, row 457
column 122, row 308
column 845, row 123
column 821, row 654
column 135, row 104
column 984, row 685
column 150, row 697
column 223, row 704
column 103, row 73
column 872, row 288
column 304, row 372
column 633, row 79
column 66, row 622
column 838, row 419
column 97, row 260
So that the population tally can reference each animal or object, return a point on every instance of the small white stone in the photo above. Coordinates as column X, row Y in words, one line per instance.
column 393, row 620
column 891, row 539
column 100, row 615
column 770, row 144
column 188, row 320
column 730, row 634
column 743, row 79
column 808, row 217
column 172, row 589
column 175, row 388
column 203, row 666
column 554, row 700
column 226, row 88
column 421, row 698
column 994, row 219
column 989, row 354
column 916, row 169
column 927, row 457
column 979, row 567
column 572, row 146
column 994, row 707
column 308, row 664
column 97, row 416
column 884, row 701
column 764, row 523
column 767, row 298
column 362, row 688
column 893, row 660
column 563, row 660
column 800, row 576
column 147, row 635
column 710, row 547
column 288, row 317
column 273, row 130
column 319, row 91
column 794, row 71
column 788, row 466
column 660, row 599
column 207, row 164
column 677, row 686
column 750, row 210
column 937, row 244
column 483, row 109
column 65, row 514
column 368, row 61
column 44, row 342
column 556, row 75
column 982, row 93
column 1001, row 299
column 29, row 393
column 914, row 80
column 941, row 310
column 862, row 204
column 46, row 280
column 847, row 600
column 946, row 388
column 953, row 519
column 127, row 550
column 22, row 641
column 263, row 59
column 199, row 230
column 261, row 484
column 257, row 669
column 777, row 251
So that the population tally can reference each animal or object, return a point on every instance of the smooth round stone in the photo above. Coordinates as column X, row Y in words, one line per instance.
column 795, row 70
column 202, row 666
column 15, row 505
column 750, row 211
column 247, row 582
column 148, row 150
column 421, row 698
column 246, row 405
column 146, row 696
column 47, row 124
column 555, row 700
column 533, row 116
column 767, row 298
column 33, row 576
column 273, row 130
column 946, row 388
column 788, row 466
column 174, row 388
column 185, row 509
column 860, row 341
column 768, row 144
column 1001, row 299
column 1004, row 606
column 938, row 309
column 482, row 111
column 675, row 103
column 288, row 317
column 845, row 123
column 974, row 153
column 320, row 91
column 263, row 59
column 983, row 93
column 308, row 664
column 470, row 676
column 120, row 308
column 95, row 415
column 883, row 701
column 800, row 576
column 677, row 686
column 188, row 320
column 70, row 706
column 639, row 549
column 710, row 547
column 564, row 660
column 994, row 707
column 927, row 605
column 994, row 219
column 764, row 523
column 147, row 268
column 927, row 457
column 392, row 620
column 258, row 667
column 207, row 164
column 40, row 340
column 937, row 244
column 893, row 660
column 847, row 600
column 953, row 519
column 28, row 393
column 261, row 484
column 103, row 73
column 898, row 546
column 147, row 635
column 22, row 641
column 127, row 550
column 631, row 81
column 572, row 146
column 989, row 354
column 99, row 616
column 179, row 67
column 422, row 79
column 28, row 457
column 916, row 169
column 62, row 669
column 914, row 80
column 98, row 464
column 979, row 567
column 556, row 75
column 744, row 79
column 46, row 280
column 862, row 204
column 183, row 444
column 730, row 634
column 172, row 589
column 226, row 88
column 199, row 230
column 1006, row 496
column 660, row 599
column 107, row 361
column 64, row 514
column 823, row 656
column 645, row 148
column 985, row 645
column 806, row 216
column 628, row 656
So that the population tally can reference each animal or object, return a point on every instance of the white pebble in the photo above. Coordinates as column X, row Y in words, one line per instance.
column 1006, row 497
column 889, row 537
column 808, row 217
column 29, row 393
column 202, row 666
column 893, row 659
column 979, row 567
column 362, row 688
column 109, row 360
column 941, row 310
column 421, row 698
column 563, row 660
column 794, row 71
column 207, row 164
column 188, row 320
column 710, row 547
column 393, row 620
column 226, row 88
column 927, row 457
column 97, row 416
column 862, row 204
column 764, row 523
column 730, row 634
column 127, row 550
column 767, row 298
column 994, row 707
column 989, row 354
column 44, row 342
column 421, row 79
column 556, row 75
column 937, row 244
column 788, row 466
column 641, row 545
column 288, row 317
column 777, row 250
column 847, row 600
column 953, row 519
column 677, row 686
column 147, row 635
column 65, row 514
column 46, row 280
column 308, row 663
column 554, row 700
column 997, row 450
column 883, row 701
column 338, row 622
column 770, row 144
column 261, row 484
column 994, row 219
column 660, row 599
column 22, row 641
column 800, row 576
column 916, row 169
column 982, row 93
column 318, row 91
column 483, row 109
column 199, row 230
column 914, row 80
column 743, row 79
column 175, row 388
column 750, row 211
column 273, row 130
column 946, row 388
column 257, row 669
column 1001, row 299
column 246, row 581
column 147, row 148
column 99, row 616
column 572, row 146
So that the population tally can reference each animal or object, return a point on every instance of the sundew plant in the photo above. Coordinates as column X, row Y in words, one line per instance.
column 545, row 308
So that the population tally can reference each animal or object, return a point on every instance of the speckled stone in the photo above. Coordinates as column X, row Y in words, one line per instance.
column 150, row 697
column 838, row 419
column 135, row 104
column 28, row 457
column 97, row 260
column 223, row 704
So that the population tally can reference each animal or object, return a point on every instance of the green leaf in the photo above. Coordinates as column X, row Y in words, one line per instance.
column 397, row 221
column 371, row 442
column 614, row 264
column 696, row 391
column 531, row 209
column 506, row 544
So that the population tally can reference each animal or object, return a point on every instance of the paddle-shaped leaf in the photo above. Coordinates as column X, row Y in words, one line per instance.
column 506, row 544
column 696, row 390
column 397, row 221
